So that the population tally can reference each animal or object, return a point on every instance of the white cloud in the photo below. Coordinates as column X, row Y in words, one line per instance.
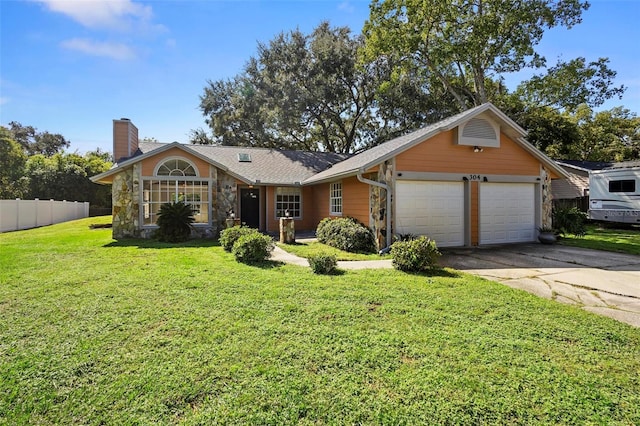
column 107, row 14
column 118, row 51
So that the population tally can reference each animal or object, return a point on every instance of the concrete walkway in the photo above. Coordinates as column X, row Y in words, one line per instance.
column 280, row 255
column 602, row 282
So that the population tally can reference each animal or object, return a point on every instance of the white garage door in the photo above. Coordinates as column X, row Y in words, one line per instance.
column 507, row 213
column 434, row 209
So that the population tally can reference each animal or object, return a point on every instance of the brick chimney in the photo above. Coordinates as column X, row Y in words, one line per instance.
column 125, row 139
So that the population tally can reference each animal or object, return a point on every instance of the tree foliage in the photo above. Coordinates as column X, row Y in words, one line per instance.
column 571, row 84
column 549, row 129
column 35, row 142
column 610, row 135
column 13, row 183
column 299, row 92
column 461, row 49
column 463, row 43
column 60, row 176
column 65, row 176
column 417, row 62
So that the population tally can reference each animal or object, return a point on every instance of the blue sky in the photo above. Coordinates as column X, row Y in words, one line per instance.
column 70, row 67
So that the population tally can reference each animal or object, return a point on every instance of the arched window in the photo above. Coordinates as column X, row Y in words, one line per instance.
column 176, row 167
column 175, row 179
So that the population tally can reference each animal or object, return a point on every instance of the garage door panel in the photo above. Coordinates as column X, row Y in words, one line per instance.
column 507, row 213
column 434, row 209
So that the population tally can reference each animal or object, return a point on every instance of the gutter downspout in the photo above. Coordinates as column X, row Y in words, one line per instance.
column 388, row 196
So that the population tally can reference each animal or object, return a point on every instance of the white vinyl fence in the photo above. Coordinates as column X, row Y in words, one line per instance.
column 24, row 214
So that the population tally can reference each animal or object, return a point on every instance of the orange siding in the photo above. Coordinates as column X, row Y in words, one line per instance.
column 149, row 164
column 318, row 205
column 306, row 223
column 271, row 224
column 475, row 235
column 440, row 154
column 355, row 203
column 355, row 199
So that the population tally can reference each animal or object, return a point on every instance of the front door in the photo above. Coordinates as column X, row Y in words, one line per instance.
column 250, row 207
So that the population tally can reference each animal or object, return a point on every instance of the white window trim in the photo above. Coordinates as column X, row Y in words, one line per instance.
column 142, row 202
column 275, row 201
column 176, row 157
column 332, row 198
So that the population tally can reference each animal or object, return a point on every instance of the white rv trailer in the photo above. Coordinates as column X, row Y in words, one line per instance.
column 614, row 195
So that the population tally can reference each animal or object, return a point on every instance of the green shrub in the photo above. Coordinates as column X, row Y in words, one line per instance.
column 346, row 234
column 570, row 220
column 253, row 247
column 174, row 221
column 323, row 263
column 229, row 236
column 405, row 237
column 416, row 255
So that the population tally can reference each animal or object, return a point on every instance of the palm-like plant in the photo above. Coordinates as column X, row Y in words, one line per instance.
column 174, row 220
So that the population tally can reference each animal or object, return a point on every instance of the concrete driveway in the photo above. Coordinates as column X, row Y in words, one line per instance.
column 602, row 282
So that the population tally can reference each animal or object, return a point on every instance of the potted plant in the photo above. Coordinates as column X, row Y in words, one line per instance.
column 547, row 235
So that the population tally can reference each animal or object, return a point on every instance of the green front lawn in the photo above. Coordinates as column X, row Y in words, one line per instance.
column 94, row 331
column 604, row 238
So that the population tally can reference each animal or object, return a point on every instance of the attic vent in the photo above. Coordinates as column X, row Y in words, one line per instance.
column 479, row 132
column 244, row 157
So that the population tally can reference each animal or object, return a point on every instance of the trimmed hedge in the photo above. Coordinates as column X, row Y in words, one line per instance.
column 253, row 247
column 346, row 234
column 229, row 236
column 323, row 263
column 416, row 255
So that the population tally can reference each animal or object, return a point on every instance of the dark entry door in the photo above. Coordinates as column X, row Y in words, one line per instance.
column 250, row 207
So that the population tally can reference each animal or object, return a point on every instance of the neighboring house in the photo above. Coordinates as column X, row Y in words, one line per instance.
column 471, row 179
column 576, row 185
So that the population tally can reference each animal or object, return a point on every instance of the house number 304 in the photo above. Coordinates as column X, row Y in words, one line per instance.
column 475, row 177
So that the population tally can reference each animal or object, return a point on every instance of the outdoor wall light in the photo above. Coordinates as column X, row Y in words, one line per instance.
column 477, row 149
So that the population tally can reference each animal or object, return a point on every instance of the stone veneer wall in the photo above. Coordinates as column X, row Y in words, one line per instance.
column 226, row 199
column 547, row 199
column 125, row 192
column 378, row 204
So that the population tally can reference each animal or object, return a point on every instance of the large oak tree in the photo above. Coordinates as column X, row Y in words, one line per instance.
column 299, row 92
column 463, row 43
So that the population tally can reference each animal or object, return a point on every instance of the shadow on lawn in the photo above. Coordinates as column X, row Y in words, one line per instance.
column 155, row 244
column 437, row 272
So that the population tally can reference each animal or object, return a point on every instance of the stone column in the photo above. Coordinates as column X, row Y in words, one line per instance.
column 547, row 199
column 378, row 205
column 287, row 230
column 124, row 211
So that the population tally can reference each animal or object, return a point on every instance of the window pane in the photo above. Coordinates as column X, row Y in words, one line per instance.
column 288, row 198
column 176, row 167
column 627, row 185
column 335, row 198
column 158, row 192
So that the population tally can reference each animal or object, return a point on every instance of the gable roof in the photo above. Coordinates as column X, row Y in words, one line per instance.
column 267, row 166
column 361, row 162
column 286, row 167
column 625, row 165
column 585, row 166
